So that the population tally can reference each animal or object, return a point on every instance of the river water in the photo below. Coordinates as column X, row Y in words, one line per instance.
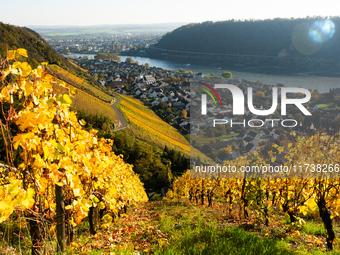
column 323, row 84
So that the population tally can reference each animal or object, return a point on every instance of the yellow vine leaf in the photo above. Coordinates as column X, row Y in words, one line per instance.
column 22, row 52
column 11, row 54
column 107, row 219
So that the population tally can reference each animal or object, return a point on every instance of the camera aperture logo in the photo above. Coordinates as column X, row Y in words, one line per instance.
column 239, row 102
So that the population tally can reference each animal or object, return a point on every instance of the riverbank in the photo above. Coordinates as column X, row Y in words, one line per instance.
column 323, row 81
column 248, row 68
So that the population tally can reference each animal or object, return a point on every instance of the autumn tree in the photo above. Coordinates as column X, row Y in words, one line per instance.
column 104, row 56
column 298, row 117
column 184, row 113
column 227, row 75
column 163, row 104
column 129, row 60
column 259, row 95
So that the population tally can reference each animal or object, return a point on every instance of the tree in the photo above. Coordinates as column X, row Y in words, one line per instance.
column 317, row 119
column 184, row 114
column 118, row 47
column 258, row 95
column 227, row 75
column 104, row 56
column 242, row 145
column 265, row 105
column 336, row 122
column 316, row 94
column 130, row 80
column 129, row 60
column 228, row 149
column 298, row 117
column 163, row 104
column 147, row 65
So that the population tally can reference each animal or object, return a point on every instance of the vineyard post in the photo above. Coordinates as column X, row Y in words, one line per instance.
column 202, row 195
column 91, row 216
column 60, row 218
column 243, row 196
column 35, row 233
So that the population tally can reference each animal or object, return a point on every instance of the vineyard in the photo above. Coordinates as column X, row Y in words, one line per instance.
column 75, row 65
column 149, row 127
column 79, row 83
column 57, row 174
column 82, row 101
column 144, row 118
column 63, row 189
column 315, row 195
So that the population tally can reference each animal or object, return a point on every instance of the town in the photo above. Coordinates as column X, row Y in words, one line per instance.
column 171, row 94
column 103, row 43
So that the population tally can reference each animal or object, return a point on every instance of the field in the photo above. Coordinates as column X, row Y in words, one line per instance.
column 329, row 105
column 150, row 128
column 107, row 29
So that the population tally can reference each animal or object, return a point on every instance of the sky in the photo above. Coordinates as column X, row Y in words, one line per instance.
column 109, row 12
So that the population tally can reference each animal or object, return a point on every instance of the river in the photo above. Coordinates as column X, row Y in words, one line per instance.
column 323, row 84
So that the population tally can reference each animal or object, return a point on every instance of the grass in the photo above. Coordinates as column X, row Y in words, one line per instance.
column 329, row 105
column 183, row 227
column 196, row 229
column 193, row 235
column 313, row 228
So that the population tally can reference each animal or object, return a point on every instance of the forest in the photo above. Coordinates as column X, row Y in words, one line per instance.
column 272, row 37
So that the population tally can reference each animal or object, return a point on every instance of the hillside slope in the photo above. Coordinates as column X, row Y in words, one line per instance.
column 261, row 37
column 148, row 127
column 38, row 50
column 90, row 97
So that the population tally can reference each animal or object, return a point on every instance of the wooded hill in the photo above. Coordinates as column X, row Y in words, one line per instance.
column 38, row 50
column 277, row 37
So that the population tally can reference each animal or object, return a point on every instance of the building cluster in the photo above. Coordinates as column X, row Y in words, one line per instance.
column 176, row 98
column 243, row 137
column 154, row 86
column 103, row 43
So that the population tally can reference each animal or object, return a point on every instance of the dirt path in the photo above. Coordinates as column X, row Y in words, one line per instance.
column 122, row 123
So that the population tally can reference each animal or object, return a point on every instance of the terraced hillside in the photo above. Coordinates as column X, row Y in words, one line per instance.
column 79, row 83
column 85, row 102
column 147, row 126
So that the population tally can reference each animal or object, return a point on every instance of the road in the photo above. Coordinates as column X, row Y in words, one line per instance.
column 121, row 120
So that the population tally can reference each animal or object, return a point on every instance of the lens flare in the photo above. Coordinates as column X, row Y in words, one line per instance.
column 321, row 30
column 302, row 42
